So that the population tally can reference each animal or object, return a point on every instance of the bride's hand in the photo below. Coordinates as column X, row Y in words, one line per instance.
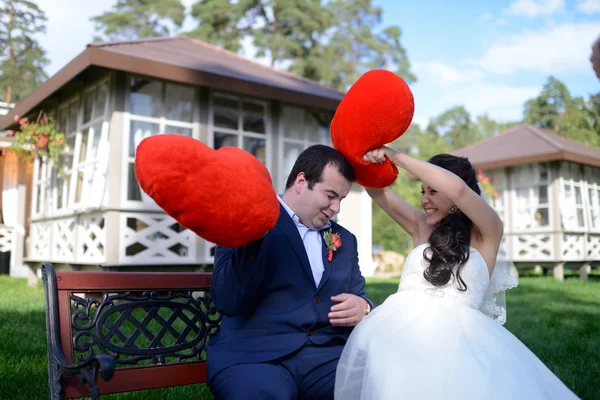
column 377, row 155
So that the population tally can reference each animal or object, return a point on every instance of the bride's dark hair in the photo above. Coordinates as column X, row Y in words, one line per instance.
column 450, row 241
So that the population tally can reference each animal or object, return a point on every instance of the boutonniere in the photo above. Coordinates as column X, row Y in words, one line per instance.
column 333, row 242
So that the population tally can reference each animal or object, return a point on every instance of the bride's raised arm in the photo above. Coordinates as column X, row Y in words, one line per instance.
column 470, row 203
column 410, row 218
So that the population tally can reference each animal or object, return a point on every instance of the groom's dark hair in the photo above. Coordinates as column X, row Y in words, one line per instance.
column 313, row 161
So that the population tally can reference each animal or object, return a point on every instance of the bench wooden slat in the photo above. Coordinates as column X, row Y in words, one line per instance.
column 142, row 378
column 85, row 281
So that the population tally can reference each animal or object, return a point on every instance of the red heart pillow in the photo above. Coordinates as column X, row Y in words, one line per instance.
column 376, row 110
column 225, row 196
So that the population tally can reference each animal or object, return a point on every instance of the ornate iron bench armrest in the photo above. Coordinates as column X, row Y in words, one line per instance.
column 87, row 370
column 126, row 326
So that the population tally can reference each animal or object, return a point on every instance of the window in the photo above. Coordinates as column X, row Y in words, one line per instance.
column 79, row 178
column 42, row 187
column 88, row 179
column 50, row 188
column 66, row 122
column 301, row 129
column 155, row 107
column 592, row 176
column 531, row 184
column 572, row 204
column 240, row 122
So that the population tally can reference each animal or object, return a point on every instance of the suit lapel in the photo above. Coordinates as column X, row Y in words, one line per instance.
column 288, row 227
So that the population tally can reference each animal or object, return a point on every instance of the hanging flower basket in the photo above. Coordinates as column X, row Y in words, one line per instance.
column 39, row 138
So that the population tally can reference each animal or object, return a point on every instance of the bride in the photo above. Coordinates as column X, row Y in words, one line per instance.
column 440, row 335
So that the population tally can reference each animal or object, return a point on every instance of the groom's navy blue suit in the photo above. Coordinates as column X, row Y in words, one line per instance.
column 273, row 310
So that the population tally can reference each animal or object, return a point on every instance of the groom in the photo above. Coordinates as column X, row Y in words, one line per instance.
column 289, row 306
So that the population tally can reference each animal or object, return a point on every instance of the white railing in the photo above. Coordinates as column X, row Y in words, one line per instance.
column 7, row 238
column 558, row 246
column 75, row 239
column 155, row 238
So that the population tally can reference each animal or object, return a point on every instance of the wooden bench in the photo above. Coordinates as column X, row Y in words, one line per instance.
column 137, row 330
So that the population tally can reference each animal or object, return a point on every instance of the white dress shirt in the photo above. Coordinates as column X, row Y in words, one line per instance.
column 312, row 240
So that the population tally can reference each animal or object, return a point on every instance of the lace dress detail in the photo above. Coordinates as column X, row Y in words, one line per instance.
column 494, row 301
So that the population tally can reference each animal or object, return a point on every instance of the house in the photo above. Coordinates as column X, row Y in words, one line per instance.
column 15, row 183
column 548, row 196
column 93, row 214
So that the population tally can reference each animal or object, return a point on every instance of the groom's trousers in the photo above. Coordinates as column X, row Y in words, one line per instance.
column 306, row 374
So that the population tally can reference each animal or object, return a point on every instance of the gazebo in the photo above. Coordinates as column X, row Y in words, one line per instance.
column 113, row 95
column 548, row 196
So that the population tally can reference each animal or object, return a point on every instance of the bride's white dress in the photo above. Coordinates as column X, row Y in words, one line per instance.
column 427, row 342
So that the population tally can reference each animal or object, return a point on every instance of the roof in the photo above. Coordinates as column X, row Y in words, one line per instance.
column 526, row 144
column 187, row 61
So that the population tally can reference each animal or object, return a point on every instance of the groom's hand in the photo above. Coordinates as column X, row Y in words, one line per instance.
column 349, row 310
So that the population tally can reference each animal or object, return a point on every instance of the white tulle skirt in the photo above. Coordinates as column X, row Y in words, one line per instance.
column 417, row 347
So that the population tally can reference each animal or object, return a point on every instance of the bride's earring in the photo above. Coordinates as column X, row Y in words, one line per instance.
column 453, row 209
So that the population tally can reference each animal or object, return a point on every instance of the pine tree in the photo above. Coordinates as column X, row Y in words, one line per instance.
column 331, row 42
column 132, row 19
column 22, row 60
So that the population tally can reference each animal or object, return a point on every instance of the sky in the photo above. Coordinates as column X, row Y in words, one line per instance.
column 488, row 55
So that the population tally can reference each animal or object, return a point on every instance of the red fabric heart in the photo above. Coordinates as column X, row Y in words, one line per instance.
column 225, row 196
column 377, row 110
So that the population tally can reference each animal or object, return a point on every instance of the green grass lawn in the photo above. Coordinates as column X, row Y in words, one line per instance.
column 559, row 322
